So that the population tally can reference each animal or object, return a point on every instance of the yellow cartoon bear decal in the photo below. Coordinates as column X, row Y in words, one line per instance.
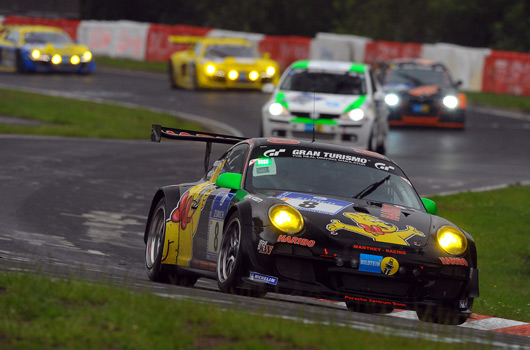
column 377, row 229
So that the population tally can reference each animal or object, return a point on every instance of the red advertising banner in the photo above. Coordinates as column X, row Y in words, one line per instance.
column 68, row 25
column 158, row 48
column 507, row 73
column 286, row 49
column 381, row 51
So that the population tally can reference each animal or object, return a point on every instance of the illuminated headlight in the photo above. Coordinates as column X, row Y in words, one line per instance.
column 356, row 115
column 56, row 59
column 277, row 109
column 391, row 99
column 271, row 70
column 253, row 76
column 286, row 218
column 209, row 69
column 35, row 54
column 75, row 60
column 452, row 240
column 233, row 74
column 450, row 101
column 87, row 56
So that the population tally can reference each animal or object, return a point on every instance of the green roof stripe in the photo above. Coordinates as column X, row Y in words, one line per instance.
column 301, row 64
column 358, row 67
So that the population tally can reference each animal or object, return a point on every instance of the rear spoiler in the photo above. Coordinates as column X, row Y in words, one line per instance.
column 182, row 39
column 158, row 132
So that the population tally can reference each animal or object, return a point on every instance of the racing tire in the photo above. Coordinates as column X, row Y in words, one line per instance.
column 229, row 260
column 154, row 251
column 447, row 317
column 193, row 77
column 172, row 83
column 19, row 63
column 369, row 309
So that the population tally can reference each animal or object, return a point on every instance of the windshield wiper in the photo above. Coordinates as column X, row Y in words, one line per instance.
column 370, row 188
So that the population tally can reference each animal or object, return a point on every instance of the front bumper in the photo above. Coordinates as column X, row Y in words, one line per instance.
column 433, row 115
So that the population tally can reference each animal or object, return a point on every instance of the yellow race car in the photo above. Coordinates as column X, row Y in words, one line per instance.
column 219, row 63
column 32, row 48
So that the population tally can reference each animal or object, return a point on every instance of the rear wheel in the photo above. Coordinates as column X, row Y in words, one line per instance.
column 154, row 251
column 19, row 63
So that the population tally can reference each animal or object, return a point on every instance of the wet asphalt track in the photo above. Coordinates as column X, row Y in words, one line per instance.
column 75, row 206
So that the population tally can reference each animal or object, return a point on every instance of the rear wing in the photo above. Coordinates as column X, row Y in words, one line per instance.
column 158, row 132
column 182, row 39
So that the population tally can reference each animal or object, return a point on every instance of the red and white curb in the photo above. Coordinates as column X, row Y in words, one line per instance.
column 486, row 323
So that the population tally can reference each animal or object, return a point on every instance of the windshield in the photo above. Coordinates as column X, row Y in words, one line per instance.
column 417, row 76
column 347, row 83
column 47, row 37
column 213, row 51
column 330, row 177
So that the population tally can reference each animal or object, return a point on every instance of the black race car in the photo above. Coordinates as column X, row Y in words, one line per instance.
column 312, row 219
column 422, row 93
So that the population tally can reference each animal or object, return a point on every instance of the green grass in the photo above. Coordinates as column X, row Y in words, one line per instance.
column 69, row 117
column 499, row 221
column 37, row 312
column 130, row 64
column 520, row 103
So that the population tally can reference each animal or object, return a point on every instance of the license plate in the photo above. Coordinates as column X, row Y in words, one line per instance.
column 309, row 128
column 420, row 108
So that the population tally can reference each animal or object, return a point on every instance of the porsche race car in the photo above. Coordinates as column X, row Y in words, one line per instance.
column 311, row 219
column 329, row 101
column 32, row 48
column 422, row 93
column 220, row 63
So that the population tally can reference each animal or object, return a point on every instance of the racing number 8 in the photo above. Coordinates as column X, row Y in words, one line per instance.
column 308, row 204
column 216, row 237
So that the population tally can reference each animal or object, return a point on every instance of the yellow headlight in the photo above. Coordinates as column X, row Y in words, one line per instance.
column 452, row 240
column 286, row 218
column 87, row 56
column 56, row 59
column 233, row 74
column 271, row 70
column 253, row 76
column 35, row 54
column 209, row 69
column 75, row 59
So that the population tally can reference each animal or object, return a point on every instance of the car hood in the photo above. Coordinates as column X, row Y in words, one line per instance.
column 240, row 61
column 322, row 103
column 356, row 221
column 62, row 49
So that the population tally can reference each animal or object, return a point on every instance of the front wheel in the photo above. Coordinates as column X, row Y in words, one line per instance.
column 172, row 83
column 444, row 316
column 155, row 248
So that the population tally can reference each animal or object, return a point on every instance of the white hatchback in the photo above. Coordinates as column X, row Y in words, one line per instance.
column 330, row 101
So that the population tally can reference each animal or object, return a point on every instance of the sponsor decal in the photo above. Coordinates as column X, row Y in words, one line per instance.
column 264, row 247
column 203, row 265
column 375, row 301
column 215, row 224
column 284, row 141
column 390, row 212
column 273, row 152
column 453, row 261
column 378, row 230
column 254, row 198
column 346, row 158
column 462, row 304
column 389, row 266
column 316, row 204
column 379, row 250
column 296, row 240
column 370, row 263
column 383, row 166
column 258, row 277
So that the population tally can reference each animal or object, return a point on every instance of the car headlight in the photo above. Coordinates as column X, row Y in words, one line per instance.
column 35, row 54
column 277, row 109
column 391, row 99
column 57, row 59
column 87, row 56
column 253, row 76
column 209, row 69
column 452, row 240
column 271, row 70
column 286, row 218
column 450, row 101
column 356, row 115
column 233, row 74
column 75, row 60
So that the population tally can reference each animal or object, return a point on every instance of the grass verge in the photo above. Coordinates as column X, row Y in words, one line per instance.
column 48, row 313
column 520, row 103
column 68, row 117
column 499, row 221
column 131, row 64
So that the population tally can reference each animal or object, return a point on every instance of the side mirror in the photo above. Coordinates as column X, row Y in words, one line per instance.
column 229, row 180
column 459, row 83
column 430, row 206
column 268, row 88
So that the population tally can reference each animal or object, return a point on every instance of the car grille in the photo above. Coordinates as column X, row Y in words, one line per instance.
column 320, row 115
column 421, row 107
column 372, row 285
